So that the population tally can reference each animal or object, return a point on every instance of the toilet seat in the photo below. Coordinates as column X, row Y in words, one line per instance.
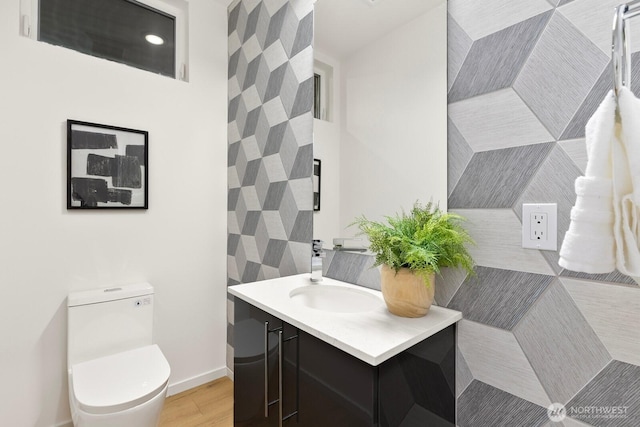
column 120, row 381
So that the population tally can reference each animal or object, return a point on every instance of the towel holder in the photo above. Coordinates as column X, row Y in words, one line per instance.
column 621, row 46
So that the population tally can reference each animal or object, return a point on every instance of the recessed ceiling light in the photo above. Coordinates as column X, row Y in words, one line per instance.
column 153, row 39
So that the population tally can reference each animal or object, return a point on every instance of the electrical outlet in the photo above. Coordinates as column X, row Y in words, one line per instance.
column 539, row 229
column 540, row 226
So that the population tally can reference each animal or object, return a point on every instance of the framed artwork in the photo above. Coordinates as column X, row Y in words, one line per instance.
column 317, row 165
column 107, row 167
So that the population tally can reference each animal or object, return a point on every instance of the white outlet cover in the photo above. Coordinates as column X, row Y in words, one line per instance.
column 551, row 241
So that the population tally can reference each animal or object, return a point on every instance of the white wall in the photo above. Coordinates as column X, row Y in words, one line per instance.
column 326, row 147
column 178, row 245
column 394, row 121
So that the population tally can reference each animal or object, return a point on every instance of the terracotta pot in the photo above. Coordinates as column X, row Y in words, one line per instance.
column 406, row 294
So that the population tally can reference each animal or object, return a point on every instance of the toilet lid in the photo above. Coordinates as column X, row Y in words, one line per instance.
column 120, row 381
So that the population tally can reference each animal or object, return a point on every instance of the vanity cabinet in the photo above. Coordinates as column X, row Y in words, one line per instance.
column 258, row 383
column 320, row 385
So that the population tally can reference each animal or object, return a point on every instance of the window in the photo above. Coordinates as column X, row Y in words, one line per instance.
column 317, row 96
column 143, row 35
column 322, row 91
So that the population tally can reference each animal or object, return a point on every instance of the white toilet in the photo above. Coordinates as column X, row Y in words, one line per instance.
column 117, row 377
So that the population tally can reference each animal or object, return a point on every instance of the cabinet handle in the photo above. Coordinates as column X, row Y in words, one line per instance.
column 280, row 378
column 279, row 401
column 267, row 331
column 266, row 369
column 280, row 350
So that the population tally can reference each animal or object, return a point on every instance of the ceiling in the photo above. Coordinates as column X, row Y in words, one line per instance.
column 344, row 26
column 223, row 2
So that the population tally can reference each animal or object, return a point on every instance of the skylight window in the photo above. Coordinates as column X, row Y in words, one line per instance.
column 146, row 35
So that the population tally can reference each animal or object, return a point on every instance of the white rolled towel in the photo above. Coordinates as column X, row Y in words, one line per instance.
column 589, row 244
column 625, row 156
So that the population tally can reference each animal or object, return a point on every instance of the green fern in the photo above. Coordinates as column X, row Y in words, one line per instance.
column 424, row 241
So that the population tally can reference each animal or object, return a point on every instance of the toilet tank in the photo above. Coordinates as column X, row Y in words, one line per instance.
column 103, row 322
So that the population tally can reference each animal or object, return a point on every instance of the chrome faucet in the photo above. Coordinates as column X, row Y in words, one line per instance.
column 316, row 260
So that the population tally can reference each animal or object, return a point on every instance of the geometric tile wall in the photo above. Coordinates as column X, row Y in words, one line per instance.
column 528, row 340
column 270, row 154
column 270, row 140
column 524, row 78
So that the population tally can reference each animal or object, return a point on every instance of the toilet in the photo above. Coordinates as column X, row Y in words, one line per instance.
column 117, row 376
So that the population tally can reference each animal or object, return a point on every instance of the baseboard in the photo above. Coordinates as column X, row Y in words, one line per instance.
column 196, row 381
column 230, row 373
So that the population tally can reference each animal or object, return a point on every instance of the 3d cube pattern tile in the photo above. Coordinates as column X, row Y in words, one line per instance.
column 541, row 86
column 351, row 267
column 270, row 142
column 522, row 92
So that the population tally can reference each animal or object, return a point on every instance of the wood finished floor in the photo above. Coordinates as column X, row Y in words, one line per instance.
column 210, row 404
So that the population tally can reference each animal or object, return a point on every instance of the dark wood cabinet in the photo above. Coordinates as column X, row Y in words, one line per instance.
column 320, row 385
column 257, row 382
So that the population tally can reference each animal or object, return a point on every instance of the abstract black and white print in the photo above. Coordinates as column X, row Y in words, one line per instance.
column 107, row 166
column 316, row 184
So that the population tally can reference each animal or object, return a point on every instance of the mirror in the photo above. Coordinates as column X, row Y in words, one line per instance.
column 381, row 95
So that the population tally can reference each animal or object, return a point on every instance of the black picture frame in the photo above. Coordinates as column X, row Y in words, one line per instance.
column 107, row 167
column 317, row 170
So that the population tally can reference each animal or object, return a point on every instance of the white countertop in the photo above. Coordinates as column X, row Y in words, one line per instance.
column 372, row 336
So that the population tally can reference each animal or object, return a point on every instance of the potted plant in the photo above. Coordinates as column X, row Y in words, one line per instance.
column 413, row 247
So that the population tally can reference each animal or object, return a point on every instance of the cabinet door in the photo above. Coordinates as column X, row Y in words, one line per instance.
column 336, row 389
column 417, row 387
column 251, row 374
column 249, row 366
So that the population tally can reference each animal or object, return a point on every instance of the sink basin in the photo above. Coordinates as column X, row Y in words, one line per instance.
column 336, row 299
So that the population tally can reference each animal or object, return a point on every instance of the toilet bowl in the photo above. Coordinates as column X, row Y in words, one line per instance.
column 126, row 389
column 117, row 377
